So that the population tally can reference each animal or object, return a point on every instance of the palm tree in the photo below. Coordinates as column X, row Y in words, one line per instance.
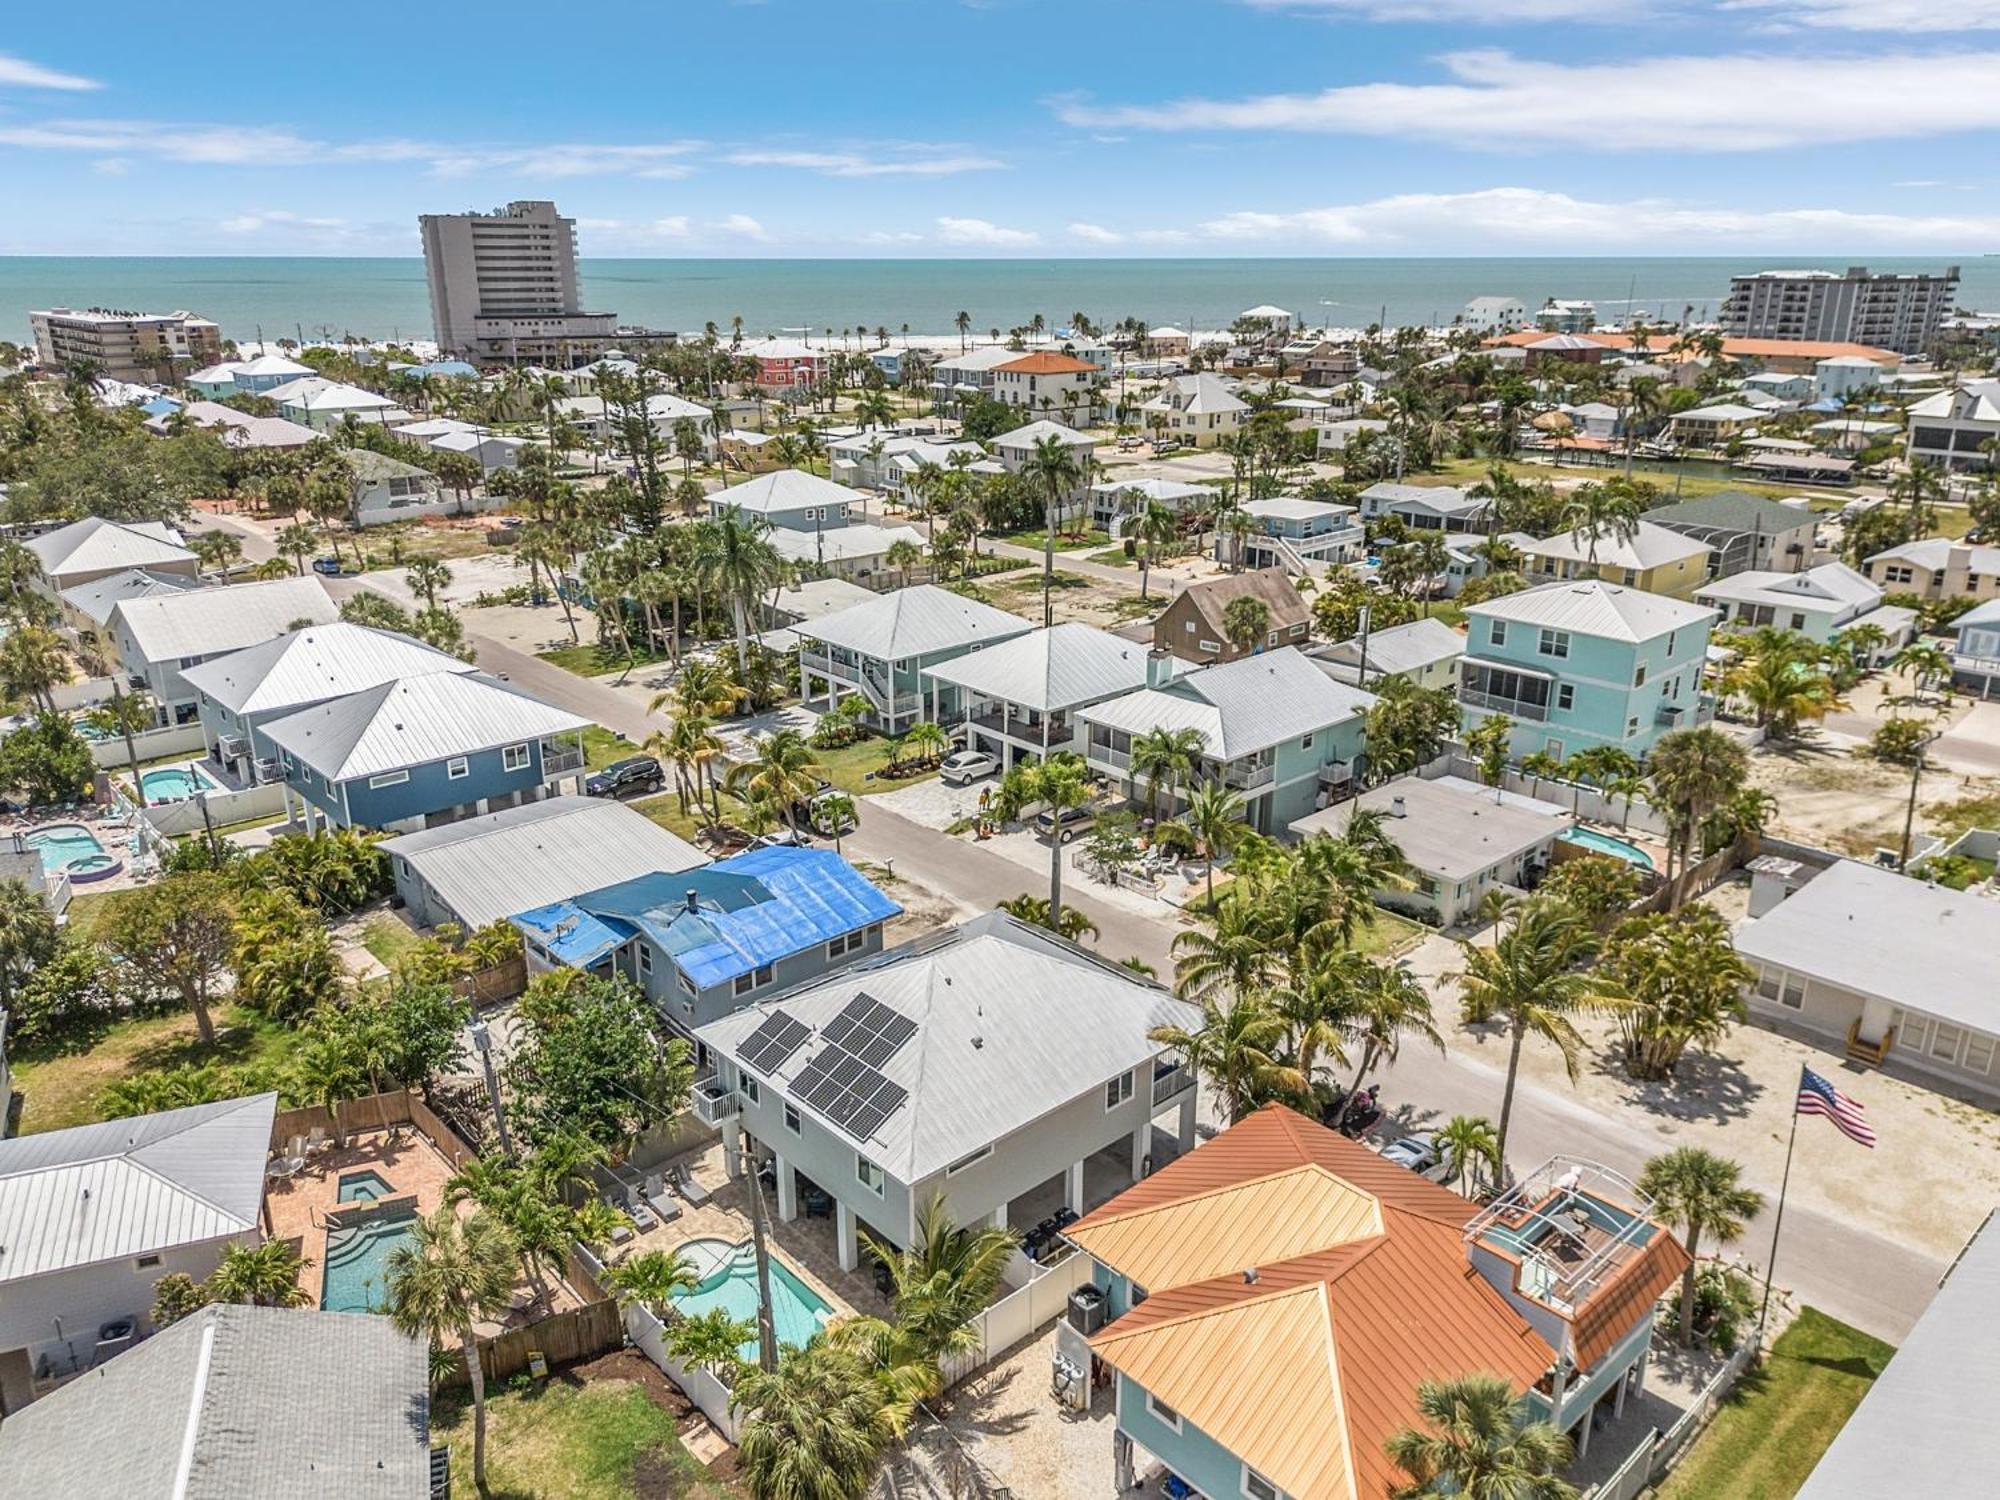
column 1479, row 1443
column 33, row 666
column 923, row 741
column 1074, row 926
column 1693, row 771
column 1054, row 467
column 298, row 541
column 1696, row 1191
column 1383, row 1005
column 945, row 1279
column 1239, row 1050
column 426, row 576
column 1597, row 510
column 814, row 1425
column 27, row 935
column 1059, row 784
column 733, row 560
column 266, row 1276
column 1215, row 815
column 1467, row 1142
column 652, row 1279
column 1532, row 980
column 1246, row 623
column 1155, row 526
column 447, row 1275
column 782, row 774
column 1926, row 663
column 218, row 550
column 903, row 555
column 1781, row 675
column 1166, row 757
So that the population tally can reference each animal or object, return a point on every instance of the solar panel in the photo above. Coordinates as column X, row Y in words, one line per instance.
column 772, row 1044
column 870, row 1030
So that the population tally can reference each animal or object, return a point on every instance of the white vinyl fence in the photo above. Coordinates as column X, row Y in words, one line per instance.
column 1020, row 1313
column 649, row 1335
column 1657, row 1452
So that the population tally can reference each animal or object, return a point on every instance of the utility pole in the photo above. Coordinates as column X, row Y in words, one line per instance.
column 1910, row 809
column 482, row 1043
column 767, row 1328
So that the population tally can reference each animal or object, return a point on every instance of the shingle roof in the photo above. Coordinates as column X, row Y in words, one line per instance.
column 1239, row 707
column 1596, row 608
column 1731, row 510
column 368, row 464
column 170, row 626
column 94, row 544
column 311, row 666
column 1270, row 585
column 999, row 1039
column 132, row 1187
column 1050, row 670
column 490, row 867
column 413, row 721
column 915, row 622
column 237, row 1403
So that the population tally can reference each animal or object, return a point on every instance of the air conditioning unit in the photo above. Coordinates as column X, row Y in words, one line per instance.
column 1086, row 1309
column 232, row 747
column 270, row 770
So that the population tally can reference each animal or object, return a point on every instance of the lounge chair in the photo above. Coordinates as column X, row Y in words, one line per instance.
column 694, row 1192
column 640, row 1213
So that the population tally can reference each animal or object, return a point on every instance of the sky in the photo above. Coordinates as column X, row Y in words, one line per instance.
column 1010, row 127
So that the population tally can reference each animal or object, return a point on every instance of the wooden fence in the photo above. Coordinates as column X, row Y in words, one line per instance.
column 490, row 986
column 561, row 1338
column 372, row 1112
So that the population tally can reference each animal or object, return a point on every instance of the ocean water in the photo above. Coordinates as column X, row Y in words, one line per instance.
column 326, row 297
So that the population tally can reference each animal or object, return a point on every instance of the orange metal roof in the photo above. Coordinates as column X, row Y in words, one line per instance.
column 1659, row 346
column 1616, row 1307
column 1048, row 364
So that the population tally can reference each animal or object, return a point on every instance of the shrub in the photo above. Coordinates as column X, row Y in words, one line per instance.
column 1899, row 740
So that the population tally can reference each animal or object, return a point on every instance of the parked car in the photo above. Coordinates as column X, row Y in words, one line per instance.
column 1074, row 820
column 1418, row 1152
column 963, row 767
column 779, row 838
column 636, row 773
column 334, row 567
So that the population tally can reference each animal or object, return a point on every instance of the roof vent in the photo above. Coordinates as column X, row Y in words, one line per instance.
column 978, row 1042
column 1250, row 1276
column 691, row 900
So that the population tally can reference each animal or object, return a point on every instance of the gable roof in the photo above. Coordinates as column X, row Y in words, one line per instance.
column 1439, row 499
column 784, row 489
column 1934, row 552
column 237, row 1403
column 367, row 464
column 1831, row 586
column 490, row 867
column 997, row 1042
column 412, row 721
column 1048, row 364
column 1596, row 608
column 1212, row 599
column 1050, row 670
column 96, row 600
column 95, row 544
column 311, row 666
column 132, row 1187
column 1650, row 546
column 1731, row 510
column 1025, row 438
column 1198, row 395
column 914, row 622
column 1239, row 707
column 1400, row 648
column 170, row 625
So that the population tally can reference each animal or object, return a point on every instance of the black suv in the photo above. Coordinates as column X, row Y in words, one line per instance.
column 639, row 773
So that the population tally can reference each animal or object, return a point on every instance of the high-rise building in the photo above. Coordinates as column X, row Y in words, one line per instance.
column 504, row 287
column 1882, row 309
column 140, row 347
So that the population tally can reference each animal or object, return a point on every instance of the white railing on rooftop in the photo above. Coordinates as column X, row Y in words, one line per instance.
column 1535, row 1207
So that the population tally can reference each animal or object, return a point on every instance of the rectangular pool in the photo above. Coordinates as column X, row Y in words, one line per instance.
column 175, row 783
column 355, row 1277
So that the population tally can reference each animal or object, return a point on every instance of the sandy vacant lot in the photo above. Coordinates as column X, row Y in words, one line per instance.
column 1829, row 796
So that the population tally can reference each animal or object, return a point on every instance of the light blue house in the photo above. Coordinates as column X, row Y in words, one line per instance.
column 247, row 377
column 1975, row 659
column 790, row 500
column 1301, row 536
column 422, row 751
column 1276, row 727
column 705, row 943
column 880, row 650
column 1586, row 663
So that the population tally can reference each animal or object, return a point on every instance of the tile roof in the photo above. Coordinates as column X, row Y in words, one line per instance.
column 1596, row 608
column 311, row 666
column 132, row 1187
column 915, row 622
column 1054, row 669
column 171, row 626
column 1047, row 364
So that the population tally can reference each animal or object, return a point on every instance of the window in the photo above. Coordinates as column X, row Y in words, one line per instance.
column 1944, row 1042
column 1565, row 695
column 1670, row 644
column 1978, row 1053
column 869, row 1175
column 645, row 958
column 457, row 768
column 1162, row 1413
column 1499, row 632
column 1307, row 742
column 146, row 1262
column 743, row 984
column 1189, row 627
column 791, row 1117
column 747, row 1087
column 1257, row 1487
column 1794, row 995
column 1209, row 645
column 1767, row 983
column 389, row 778
column 1631, row 727
column 847, row 942
column 1553, row 643
column 1639, row 676
column 1798, row 621
column 514, row 758
column 686, row 983
column 763, row 976
column 1117, row 1091
column 965, row 1161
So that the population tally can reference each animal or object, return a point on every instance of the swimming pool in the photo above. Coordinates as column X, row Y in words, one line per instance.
column 1604, row 843
column 73, row 850
column 356, row 1278
column 175, row 783
column 364, row 1187
column 729, row 1281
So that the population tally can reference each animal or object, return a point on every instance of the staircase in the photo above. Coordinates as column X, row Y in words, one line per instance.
column 1868, row 1054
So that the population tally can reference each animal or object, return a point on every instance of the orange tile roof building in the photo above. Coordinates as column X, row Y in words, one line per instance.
column 1274, row 1297
column 1054, row 385
column 1786, row 356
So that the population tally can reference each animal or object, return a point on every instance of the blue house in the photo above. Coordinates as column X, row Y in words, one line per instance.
column 1585, row 663
column 1272, row 1300
column 1975, row 659
column 705, row 943
column 418, row 752
column 790, row 500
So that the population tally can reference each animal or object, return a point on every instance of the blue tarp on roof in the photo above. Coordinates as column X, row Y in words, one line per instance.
column 573, row 936
column 752, row 910
column 160, row 406
column 447, row 367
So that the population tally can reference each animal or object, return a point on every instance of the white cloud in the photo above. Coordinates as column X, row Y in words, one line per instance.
column 1874, row 15
column 983, row 232
column 111, row 166
column 262, row 219
column 18, row 72
column 889, row 237
column 561, row 161
column 1096, row 234
column 1497, row 100
column 743, row 227
column 856, row 164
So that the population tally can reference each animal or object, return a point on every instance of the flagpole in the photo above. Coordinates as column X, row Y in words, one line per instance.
column 1778, row 1224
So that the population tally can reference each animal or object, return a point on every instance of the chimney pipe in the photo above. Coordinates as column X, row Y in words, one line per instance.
column 691, row 904
column 1250, row 1276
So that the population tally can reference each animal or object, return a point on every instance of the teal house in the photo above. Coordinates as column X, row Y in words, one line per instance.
column 1276, row 728
column 879, row 651
column 1585, row 663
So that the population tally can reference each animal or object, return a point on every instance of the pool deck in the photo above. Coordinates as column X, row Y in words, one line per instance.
column 114, row 836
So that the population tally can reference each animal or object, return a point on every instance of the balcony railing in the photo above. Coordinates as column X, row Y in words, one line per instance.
column 1249, row 776
column 1174, row 1081
column 556, row 760
column 1496, row 703
column 1106, row 759
column 713, row 1103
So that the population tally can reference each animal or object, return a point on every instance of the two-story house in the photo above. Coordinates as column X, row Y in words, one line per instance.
column 1937, row 568
column 1050, row 384
column 1744, row 532
column 1014, row 449
column 240, row 692
column 1114, row 503
column 1200, row 410
column 1300, row 536
column 1425, row 651
column 1818, row 603
column 1975, row 658
column 1423, row 507
column 1273, row 1299
column 1274, row 727
column 886, row 461
column 1652, row 558
column 704, row 943
column 91, row 1217
column 1575, row 665
column 879, row 650
column 1194, row 626
column 994, row 1066
column 163, row 635
column 419, row 751
column 1955, row 429
column 382, row 489
column 791, row 500
column 1019, row 699
column 94, row 548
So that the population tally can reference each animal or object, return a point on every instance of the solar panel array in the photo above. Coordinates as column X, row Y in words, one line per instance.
column 771, row 1045
column 843, row 1081
column 870, row 1030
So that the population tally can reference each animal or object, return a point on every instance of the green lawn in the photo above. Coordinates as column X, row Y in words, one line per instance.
column 88, row 914
column 602, row 746
column 666, row 811
column 1066, row 541
column 1389, row 936
column 1465, row 471
column 1781, row 1416
column 848, row 768
column 63, row 1086
column 388, row 939
column 593, row 660
column 566, row 1440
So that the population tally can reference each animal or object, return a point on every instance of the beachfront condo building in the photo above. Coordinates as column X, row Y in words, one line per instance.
column 1883, row 309
column 145, row 348
column 504, row 287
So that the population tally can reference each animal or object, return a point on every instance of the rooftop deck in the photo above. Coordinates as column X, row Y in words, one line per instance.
column 1572, row 1225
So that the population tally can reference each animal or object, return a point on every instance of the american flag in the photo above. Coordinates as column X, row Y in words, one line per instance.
column 1818, row 1097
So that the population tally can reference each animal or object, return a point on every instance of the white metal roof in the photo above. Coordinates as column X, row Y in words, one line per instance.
column 1934, row 552
column 1649, row 547
column 1012, row 1023
column 1239, row 707
column 1829, row 588
column 94, row 544
column 785, row 489
column 1292, row 508
column 1596, row 608
column 1024, row 439
column 1442, row 499
column 1198, row 395
column 96, row 599
column 132, row 1187
column 311, row 666
column 202, row 622
column 1874, row 932
column 489, row 868
column 1063, row 667
column 915, row 622
column 413, row 721
column 840, row 543
column 1165, row 491
column 1450, row 829
column 1400, row 648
